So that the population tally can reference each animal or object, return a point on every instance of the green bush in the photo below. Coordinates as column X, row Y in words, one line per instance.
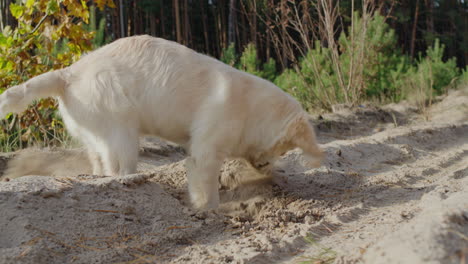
column 430, row 76
column 435, row 70
column 383, row 63
column 291, row 83
column 312, row 82
column 249, row 62
column 432, row 72
column 229, row 55
column 371, row 68
column 98, row 39
column 269, row 70
column 463, row 80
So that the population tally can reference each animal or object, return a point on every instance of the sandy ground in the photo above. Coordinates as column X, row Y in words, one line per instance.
column 392, row 189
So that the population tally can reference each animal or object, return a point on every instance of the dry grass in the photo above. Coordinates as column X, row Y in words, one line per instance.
column 324, row 256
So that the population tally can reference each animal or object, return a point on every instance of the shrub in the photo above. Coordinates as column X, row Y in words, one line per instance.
column 430, row 76
column 269, row 70
column 435, row 70
column 312, row 82
column 463, row 80
column 229, row 55
column 368, row 67
column 249, row 62
column 383, row 63
column 384, row 74
column 48, row 36
column 98, row 39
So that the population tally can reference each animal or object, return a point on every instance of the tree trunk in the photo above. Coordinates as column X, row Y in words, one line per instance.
column 284, row 30
column 244, row 37
column 177, row 20
column 134, row 22
column 6, row 19
column 222, row 24
column 413, row 33
column 232, row 22
column 152, row 24
column 186, row 25
column 430, row 18
column 268, row 24
column 306, row 25
column 205, row 27
column 121, row 20
column 2, row 14
column 129, row 20
column 112, row 28
column 217, row 43
column 162, row 20
column 254, row 22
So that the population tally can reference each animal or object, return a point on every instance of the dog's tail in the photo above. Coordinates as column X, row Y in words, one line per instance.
column 305, row 139
column 17, row 98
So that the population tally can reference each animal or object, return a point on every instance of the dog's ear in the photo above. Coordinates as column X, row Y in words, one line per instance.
column 303, row 137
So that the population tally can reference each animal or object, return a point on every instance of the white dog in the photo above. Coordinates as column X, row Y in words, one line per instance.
column 146, row 85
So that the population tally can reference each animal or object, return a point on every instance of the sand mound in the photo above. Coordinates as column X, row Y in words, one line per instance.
column 393, row 189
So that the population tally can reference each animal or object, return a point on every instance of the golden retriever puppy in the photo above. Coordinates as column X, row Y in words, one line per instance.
column 149, row 86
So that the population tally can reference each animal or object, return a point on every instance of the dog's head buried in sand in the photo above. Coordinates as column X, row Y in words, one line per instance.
column 143, row 85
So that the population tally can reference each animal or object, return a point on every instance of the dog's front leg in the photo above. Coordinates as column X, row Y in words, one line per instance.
column 202, row 177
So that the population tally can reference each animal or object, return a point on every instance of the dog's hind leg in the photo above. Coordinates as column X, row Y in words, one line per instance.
column 119, row 151
column 90, row 142
column 95, row 158
column 96, row 161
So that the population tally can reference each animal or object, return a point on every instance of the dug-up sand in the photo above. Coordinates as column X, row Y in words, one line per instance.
column 392, row 189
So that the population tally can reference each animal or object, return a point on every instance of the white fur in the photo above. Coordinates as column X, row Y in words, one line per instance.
column 145, row 85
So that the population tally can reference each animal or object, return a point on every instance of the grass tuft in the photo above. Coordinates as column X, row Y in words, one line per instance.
column 325, row 255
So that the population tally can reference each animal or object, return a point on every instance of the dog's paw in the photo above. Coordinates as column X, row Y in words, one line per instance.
column 204, row 203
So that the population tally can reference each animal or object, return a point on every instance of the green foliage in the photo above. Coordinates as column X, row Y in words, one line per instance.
column 229, row 55
column 435, row 70
column 249, row 62
column 370, row 67
column 269, row 70
column 49, row 35
column 293, row 84
column 463, row 80
column 432, row 72
column 431, row 76
column 312, row 79
column 383, row 63
column 98, row 39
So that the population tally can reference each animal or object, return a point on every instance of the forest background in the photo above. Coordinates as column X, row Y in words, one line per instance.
column 323, row 52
